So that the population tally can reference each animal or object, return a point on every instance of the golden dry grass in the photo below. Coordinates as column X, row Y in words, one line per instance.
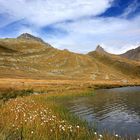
column 7, row 83
column 32, row 59
column 40, row 117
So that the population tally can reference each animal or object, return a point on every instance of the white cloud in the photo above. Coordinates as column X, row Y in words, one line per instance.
column 131, row 8
column 115, row 34
column 124, row 47
column 27, row 30
column 45, row 12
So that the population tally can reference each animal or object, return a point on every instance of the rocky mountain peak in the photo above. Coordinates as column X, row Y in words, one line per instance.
column 100, row 49
column 28, row 36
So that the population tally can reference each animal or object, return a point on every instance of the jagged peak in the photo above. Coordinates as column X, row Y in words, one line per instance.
column 28, row 36
column 100, row 49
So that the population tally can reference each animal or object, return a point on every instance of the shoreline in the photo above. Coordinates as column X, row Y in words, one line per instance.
column 52, row 85
column 59, row 91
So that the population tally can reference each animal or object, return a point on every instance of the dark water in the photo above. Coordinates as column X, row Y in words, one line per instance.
column 116, row 110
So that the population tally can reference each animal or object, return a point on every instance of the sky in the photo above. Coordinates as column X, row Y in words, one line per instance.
column 76, row 25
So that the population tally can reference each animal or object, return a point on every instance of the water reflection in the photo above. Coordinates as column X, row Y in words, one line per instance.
column 115, row 110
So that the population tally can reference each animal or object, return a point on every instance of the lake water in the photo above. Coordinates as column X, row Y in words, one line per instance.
column 116, row 110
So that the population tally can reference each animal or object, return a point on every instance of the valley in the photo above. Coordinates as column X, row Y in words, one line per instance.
column 37, row 80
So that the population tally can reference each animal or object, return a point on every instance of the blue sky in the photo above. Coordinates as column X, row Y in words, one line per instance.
column 77, row 25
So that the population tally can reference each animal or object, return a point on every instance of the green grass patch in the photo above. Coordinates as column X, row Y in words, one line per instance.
column 11, row 93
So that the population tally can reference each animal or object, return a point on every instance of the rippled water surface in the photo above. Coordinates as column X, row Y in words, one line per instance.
column 116, row 110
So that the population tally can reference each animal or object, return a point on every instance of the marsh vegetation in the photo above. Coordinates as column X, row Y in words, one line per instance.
column 44, row 117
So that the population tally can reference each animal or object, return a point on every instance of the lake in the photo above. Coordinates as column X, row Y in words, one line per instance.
column 115, row 110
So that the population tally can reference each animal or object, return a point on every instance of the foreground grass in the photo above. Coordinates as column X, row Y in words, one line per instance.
column 5, row 95
column 43, row 117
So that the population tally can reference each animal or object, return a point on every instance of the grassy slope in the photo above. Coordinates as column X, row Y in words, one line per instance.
column 125, row 66
column 32, row 59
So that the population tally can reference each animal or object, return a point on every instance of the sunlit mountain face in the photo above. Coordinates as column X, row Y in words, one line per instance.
column 78, row 26
column 29, row 56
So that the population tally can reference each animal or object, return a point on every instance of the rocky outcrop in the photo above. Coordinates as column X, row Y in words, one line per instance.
column 100, row 49
column 29, row 37
column 133, row 54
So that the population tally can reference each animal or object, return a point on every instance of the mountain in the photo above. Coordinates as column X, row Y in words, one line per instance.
column 26, row 36
column 133, row 54
column 118, row 63
column 30, row 57
column 24, row 44
column 100, row 49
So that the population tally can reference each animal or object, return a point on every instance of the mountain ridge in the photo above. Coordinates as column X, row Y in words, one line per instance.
column 23, row 44
column 133, row 54
column 32, row 58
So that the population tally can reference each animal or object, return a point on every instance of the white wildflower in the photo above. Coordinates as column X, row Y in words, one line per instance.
column 78, row 126
column 100, row 136
column 95, row 133
column 116, row 135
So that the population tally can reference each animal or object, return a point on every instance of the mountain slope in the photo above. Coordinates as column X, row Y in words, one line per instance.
column 125, row 66
column 30, row 57
column 24, row 46
column 133, row 54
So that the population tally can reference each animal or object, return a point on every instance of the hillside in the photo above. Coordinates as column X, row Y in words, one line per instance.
column 133, row 54
column 123, row 65
column 30, row 57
